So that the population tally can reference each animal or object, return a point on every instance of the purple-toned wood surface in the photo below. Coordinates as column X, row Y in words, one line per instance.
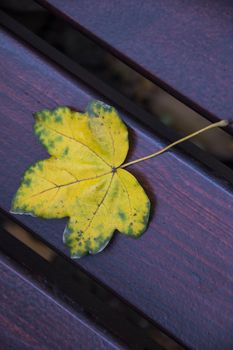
column 180, row 272
column 31, row 319
column 184, row 46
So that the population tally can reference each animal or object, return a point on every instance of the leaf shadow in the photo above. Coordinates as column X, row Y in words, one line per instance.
column 74, row 109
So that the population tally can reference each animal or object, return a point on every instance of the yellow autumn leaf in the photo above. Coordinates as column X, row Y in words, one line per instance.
column 83, row 180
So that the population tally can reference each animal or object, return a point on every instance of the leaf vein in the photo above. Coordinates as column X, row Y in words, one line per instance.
column 69, row 184
column 100, row 204
column 81, row 143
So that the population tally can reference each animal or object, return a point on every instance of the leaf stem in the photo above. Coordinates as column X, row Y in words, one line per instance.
column 221, row 123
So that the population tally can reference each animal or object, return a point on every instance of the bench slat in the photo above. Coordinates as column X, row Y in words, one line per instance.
column 31, row 319
column 184, row 46
column 179, row 274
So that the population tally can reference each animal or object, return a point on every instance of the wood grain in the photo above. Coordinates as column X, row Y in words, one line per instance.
column 31, row 319
column 184, row 46
column 180, row 273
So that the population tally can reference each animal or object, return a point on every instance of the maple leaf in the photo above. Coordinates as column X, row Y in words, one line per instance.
column 83, row 180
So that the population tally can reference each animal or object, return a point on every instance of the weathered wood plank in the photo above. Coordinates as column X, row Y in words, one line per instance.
column 180, row 272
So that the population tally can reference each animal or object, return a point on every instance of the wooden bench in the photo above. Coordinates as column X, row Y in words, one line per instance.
column 179, row 275
column 31, row 319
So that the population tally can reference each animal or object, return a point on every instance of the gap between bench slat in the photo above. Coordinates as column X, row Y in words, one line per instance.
column 179, row 274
